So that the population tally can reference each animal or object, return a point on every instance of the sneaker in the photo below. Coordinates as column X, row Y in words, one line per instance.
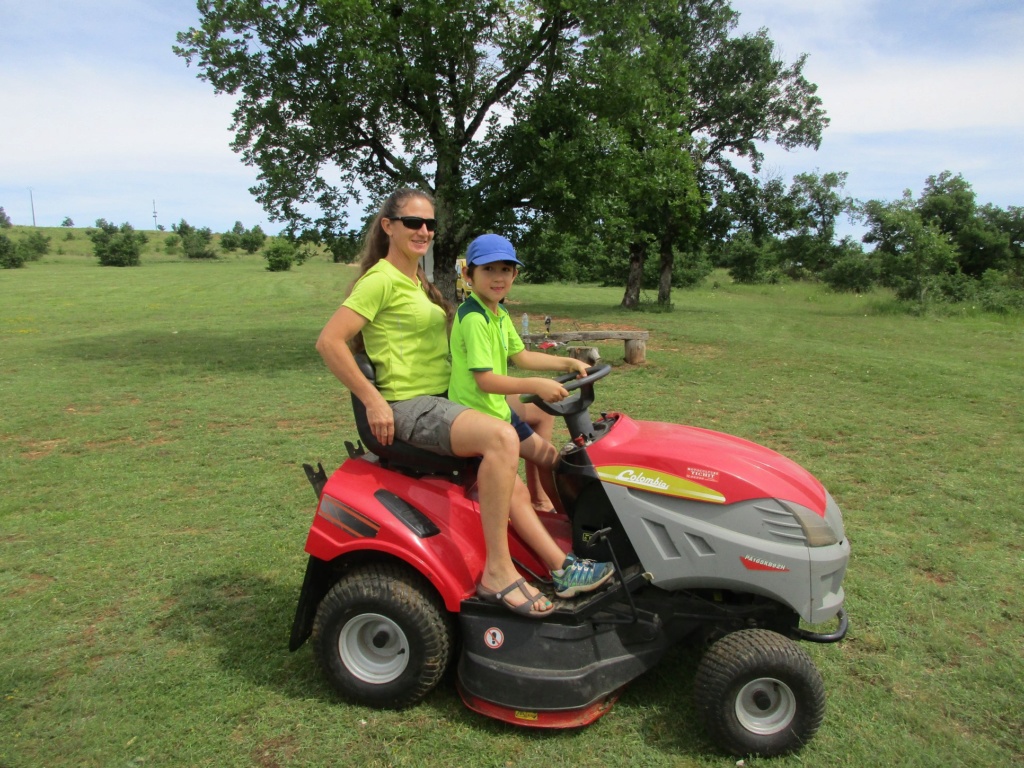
column 576, row 576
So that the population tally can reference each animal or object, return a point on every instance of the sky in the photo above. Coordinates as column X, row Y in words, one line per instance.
column 101, row 120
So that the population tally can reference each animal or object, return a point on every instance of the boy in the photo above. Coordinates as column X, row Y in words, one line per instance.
column 482, row 342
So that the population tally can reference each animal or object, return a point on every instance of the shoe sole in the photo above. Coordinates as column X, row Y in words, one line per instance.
column 573, row 591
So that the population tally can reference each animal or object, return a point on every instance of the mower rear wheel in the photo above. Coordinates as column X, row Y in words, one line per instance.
column 382, row 636
column 759, row 693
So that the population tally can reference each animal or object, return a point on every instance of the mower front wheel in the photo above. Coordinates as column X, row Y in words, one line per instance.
column 382, row 636
column 759, row 693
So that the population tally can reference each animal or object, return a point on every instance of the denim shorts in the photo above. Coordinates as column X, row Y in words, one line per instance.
column 426, row 422
column 523, row 429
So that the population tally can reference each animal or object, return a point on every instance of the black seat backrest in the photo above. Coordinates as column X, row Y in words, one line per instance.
column 400, row 456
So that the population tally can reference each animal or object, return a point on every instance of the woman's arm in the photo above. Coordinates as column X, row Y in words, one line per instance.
column 333, row 348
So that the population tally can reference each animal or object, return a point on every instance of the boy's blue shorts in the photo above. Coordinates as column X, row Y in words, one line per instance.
column 523, row 429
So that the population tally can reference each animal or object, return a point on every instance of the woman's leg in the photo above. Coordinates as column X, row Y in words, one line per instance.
column 496, row 442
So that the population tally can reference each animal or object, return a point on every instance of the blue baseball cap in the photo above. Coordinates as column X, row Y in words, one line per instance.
column 487, row 249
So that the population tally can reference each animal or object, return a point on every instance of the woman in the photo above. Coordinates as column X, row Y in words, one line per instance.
column 402, row 320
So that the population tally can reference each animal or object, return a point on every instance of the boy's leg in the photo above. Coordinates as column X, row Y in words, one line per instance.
column 539, row 480
column 532, row 531
column 542, row 456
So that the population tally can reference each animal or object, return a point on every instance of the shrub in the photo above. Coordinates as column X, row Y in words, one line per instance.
column 117, row 246
column 280, row 256
column 252, row 240
column 171, row 243
column 997, row 292
column 852, row 273
column 231, row 241
column 35, row 246
column 10, row 256
column 195, row 242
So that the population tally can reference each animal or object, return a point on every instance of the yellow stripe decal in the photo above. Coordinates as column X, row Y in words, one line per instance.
column 658, row 482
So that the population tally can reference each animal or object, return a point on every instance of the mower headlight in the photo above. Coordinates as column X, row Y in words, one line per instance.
column 815, row 527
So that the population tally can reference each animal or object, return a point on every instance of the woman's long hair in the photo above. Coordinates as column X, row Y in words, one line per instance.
column 375, row 247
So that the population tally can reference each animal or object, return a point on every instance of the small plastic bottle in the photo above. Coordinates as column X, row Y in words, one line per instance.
column 526, row 324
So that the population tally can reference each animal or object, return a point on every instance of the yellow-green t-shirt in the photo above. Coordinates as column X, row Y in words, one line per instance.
column 481, row 341
column 405, row 335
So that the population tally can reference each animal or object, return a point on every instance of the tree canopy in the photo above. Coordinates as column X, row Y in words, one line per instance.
column 510, row 113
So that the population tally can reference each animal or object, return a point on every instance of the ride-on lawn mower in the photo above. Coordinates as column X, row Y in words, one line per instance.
column 715, row 540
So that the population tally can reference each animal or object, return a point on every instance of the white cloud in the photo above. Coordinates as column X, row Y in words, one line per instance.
column 895, row 95
column 80, row 117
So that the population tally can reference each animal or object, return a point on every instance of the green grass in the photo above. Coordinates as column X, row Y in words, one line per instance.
column 154, row 512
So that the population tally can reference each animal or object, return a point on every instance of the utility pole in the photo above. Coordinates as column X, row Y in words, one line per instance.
column 154, row 214
column 33, row 204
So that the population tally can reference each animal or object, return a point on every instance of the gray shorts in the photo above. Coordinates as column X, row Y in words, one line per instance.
column 426, row 422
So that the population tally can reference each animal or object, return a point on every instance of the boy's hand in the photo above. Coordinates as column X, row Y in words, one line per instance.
column 576, row 365
column 549, row 390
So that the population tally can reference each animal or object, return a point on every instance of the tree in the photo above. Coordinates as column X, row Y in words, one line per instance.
column 10, row 256
column 34, row 246
column 377, row 94
column 1011, row 223
column 252, row 240
column 912, row 253
column 341, row 97
column 117, row 246
column 232, row 240
column 195, row 243
column 67, row 222
column 5, row 220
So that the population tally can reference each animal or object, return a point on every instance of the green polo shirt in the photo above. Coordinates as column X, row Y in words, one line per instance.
column 481, row 341
column 405, row 335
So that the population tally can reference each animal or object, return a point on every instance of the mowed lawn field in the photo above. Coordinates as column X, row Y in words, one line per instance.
column 153, row 426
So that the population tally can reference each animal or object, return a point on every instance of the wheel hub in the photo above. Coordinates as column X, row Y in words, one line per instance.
column 374, row 648
column 765, row 706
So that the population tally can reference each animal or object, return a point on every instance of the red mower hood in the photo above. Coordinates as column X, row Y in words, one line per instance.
column 700, row 464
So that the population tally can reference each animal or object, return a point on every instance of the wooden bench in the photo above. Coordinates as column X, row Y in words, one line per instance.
column 636, row 341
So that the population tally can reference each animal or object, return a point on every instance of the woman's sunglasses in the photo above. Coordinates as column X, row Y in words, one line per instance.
column 415, row 222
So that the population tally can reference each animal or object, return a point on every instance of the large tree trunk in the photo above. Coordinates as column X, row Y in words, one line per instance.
column 637, row 257
column 665, row 274
column 450, row 239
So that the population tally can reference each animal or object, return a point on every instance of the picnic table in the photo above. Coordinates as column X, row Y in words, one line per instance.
column 635, row 341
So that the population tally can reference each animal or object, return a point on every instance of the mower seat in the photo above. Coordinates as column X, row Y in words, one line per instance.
column 400, row 456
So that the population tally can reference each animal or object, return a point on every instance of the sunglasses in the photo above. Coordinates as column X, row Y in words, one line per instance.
column 415, row 222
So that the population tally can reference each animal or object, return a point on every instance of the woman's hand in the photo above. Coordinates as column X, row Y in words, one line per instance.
column 382, row 421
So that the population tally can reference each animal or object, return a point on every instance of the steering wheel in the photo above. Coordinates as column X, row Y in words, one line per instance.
column 572, row 405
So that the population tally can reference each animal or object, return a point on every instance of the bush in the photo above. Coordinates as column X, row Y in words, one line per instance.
column 253, row 240
column 690, row 269
column 171, row 243
column 852, row 273
column 751, row 263
column 195, row 242
column 280, row 256
column 232, row 241
column 998, row 292
column 117, row 246
column 35, row 246
column 10, row 256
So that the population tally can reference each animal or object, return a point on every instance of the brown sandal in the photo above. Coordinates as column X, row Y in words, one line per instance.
column 523, row 609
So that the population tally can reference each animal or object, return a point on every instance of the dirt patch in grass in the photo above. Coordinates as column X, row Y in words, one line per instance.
column 36, row 583
column 38, row 449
